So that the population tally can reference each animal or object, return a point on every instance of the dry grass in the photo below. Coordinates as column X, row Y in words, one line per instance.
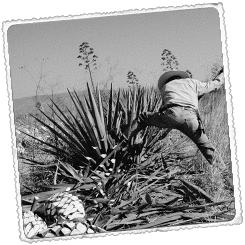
column 213, row 110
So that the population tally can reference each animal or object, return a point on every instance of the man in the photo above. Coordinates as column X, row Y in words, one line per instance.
column 179, row 110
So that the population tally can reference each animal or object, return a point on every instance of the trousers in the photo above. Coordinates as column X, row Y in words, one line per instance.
column 184, row 119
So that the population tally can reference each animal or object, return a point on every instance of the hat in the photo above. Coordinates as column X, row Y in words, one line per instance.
column 165, row 77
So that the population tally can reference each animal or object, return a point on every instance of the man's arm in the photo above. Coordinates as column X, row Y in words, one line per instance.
column 206, row 87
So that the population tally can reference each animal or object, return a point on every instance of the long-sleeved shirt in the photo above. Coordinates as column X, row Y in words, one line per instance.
column 185, row 92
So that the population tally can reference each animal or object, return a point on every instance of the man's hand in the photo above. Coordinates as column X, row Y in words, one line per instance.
column 221, row 70
column 220, row 73
column 220, row 78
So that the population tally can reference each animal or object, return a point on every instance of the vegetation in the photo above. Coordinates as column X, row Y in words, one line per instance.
column 160, row 179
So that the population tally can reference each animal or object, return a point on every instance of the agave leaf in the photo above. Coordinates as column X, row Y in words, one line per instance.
column 127, row 119
column 95, row 114
column 36, row 163
column 65, row 120
column 104, row 138
column 116, row 113
column 86, row 186
column 56, row 151
column 85, row 120
column 56, row 174
column 88, row 133
column 133, row 108
column 129, row 217
column 43, row 196
column 93, row 125
column 160, row 221
column 118, row 123
column 110, row 220
column 79, row 157
column 80, row 135
column 110, row 154
column 69, row 140
column 150, row 178
column 140, row 104
column 58, row 186
column 85, row 141
column 110, row 111
column 71, row 170
column 101, row 112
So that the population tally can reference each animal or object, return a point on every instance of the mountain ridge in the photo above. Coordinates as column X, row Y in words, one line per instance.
column 26, row 105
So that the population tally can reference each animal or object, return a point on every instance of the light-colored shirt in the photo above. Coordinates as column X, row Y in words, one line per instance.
column 185, row 92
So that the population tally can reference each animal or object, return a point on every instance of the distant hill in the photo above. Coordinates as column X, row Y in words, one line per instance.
column 26, row 105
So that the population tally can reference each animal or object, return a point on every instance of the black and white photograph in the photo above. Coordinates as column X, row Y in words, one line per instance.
column 122, row 123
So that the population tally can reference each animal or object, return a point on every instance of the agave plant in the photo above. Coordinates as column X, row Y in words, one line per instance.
column 91, row 150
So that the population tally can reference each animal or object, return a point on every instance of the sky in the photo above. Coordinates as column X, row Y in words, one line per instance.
column 130, row 42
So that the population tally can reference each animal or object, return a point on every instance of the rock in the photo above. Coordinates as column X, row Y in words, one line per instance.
column 55, row 204
column 31, row 233
column 70, row 225
column 65, row 231
column 81, row 228
column 68, row 210
column 53, row 211
column 28, row 228
column 74, row 198
column 76, row 217
column 56, row 229
column 26, row 221
column 31, row 219
column 90, row 231
column 75, row 232
column 28, row 214
column 61, row 219
column 65, row 206
column 43, row 232
column 36, row 228
column 49, row 235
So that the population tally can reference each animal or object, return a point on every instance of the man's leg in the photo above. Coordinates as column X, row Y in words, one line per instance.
column 194, row 131
column 219, row 169
column 205, row 146
column 158, row 119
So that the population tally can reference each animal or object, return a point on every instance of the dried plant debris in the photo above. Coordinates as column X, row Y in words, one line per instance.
column 166, row 201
